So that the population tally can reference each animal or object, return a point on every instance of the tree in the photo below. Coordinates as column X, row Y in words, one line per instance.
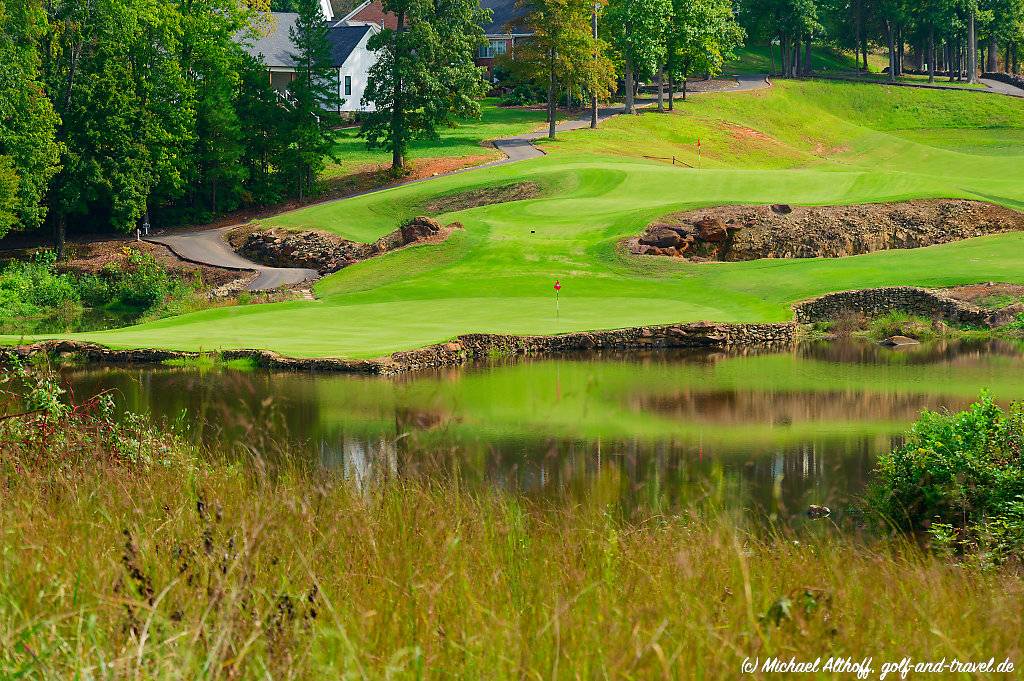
column 702, row 37
column 29, row 153
column 424, row 76
column 111, row 70
column 638, row 29
column 562, row 54
column 313, row 93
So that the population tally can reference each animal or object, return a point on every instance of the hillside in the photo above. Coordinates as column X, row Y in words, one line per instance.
column 799, row 142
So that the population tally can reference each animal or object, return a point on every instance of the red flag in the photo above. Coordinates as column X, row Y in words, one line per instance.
column 558, row 286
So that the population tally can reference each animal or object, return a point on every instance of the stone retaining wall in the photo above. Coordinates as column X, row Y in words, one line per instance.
column 468, row 347
column 912, row 300
column 1008, row 78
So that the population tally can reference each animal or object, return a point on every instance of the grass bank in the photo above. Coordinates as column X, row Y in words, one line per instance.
column 125, row 554
column 798, row 142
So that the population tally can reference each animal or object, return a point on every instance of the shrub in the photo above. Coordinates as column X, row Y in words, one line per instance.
column 959, row 476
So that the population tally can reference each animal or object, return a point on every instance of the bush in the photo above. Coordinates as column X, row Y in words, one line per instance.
column 961, row 478
column 34, row 290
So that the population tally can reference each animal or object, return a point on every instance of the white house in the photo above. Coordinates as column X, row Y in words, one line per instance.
column 349, row 55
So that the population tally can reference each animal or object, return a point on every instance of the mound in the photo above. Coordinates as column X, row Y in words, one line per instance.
column 326, row 252
column 780, row 231
column 487, row 196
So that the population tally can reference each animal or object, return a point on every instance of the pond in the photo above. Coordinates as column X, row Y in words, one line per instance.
column 750, row 434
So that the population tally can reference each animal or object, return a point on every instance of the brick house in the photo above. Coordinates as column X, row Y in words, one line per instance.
column 502, row 32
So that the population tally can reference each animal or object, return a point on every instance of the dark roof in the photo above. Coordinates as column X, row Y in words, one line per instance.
column 276, row 48
column 505, row 16
column 343, row 40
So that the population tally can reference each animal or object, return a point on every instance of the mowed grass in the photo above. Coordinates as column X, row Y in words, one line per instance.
column 798, row 142
column 467, row 138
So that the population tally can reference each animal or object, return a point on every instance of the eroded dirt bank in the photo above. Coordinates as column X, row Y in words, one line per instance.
column 732, row 233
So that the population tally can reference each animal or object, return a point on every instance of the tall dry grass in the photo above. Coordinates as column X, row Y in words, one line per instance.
column 119, row 564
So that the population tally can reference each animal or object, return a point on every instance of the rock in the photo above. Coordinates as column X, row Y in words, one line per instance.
column 816, row 512
column 711, row 230
column 420, row 228
column 328, row 253
column 662, row 237
column 897, row 341
column 785, row 231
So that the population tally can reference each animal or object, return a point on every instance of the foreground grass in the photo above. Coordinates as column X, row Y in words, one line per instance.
column 798, row 142
column 130, row 556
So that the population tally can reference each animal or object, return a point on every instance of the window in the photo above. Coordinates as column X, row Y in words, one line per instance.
column 348, row 85
column 492, row 49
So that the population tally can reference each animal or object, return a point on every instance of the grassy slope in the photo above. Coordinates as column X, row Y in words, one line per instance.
column 808, row 143
column 465, row 139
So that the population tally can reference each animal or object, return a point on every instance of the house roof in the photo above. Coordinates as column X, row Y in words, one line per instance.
column 505, row 14
column 275, row 46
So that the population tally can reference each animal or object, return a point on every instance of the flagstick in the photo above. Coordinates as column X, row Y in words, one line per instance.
column 556, row 305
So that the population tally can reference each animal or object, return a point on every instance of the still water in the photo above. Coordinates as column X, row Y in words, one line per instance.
column 763, row 434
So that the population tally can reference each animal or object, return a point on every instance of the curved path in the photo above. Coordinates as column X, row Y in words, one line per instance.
column 1002, row 88
column 210, row 246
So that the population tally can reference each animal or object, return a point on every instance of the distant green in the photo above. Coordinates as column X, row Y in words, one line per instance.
column 798, row 142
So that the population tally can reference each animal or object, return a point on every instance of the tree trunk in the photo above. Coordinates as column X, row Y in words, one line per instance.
column 397, row 113
column 684, row 88
column 59, row 230
column 671, row 90
column 593, row 98
column 807, row 58
column 629, row 86
column 993, row 54
column 864, row 49
column 771, row 56
column 661, row 91
column 892, row 52
column 972, row 51
column 787, row 56
column 552, row 93
column 931, row 54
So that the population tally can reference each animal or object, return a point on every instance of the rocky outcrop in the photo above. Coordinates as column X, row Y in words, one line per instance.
column 466, row 348
column 874, row 302
column 327, row 253
column 781, row 231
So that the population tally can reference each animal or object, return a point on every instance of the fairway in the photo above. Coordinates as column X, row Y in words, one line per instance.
column 799, row 142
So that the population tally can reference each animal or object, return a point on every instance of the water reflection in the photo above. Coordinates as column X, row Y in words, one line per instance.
column 764, row 432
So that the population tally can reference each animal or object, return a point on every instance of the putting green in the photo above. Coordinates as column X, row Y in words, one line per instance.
column 802, row 143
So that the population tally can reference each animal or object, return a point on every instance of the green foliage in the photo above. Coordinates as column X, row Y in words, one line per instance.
column 28, row 149
column 312, row 93
column 562, row 56
column 701, row 37
column 961, row 474
column 133, row 286
column 424, row 76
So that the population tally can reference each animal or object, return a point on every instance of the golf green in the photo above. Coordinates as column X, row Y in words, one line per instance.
column 798, row 142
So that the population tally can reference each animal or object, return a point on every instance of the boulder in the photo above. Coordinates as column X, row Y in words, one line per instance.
column 781, row 208
column 419, row 228
column 662, row 236
column 712, row 230
column 897, row 341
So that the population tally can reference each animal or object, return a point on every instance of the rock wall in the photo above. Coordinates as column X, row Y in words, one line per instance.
column 327, row 253
column 734, row 233
column 468, row 347
column 1008, row 78
column 916, row 301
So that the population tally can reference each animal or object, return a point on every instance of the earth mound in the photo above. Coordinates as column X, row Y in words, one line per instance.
column 327, row 253
column 732, row 233
column 486, row 196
